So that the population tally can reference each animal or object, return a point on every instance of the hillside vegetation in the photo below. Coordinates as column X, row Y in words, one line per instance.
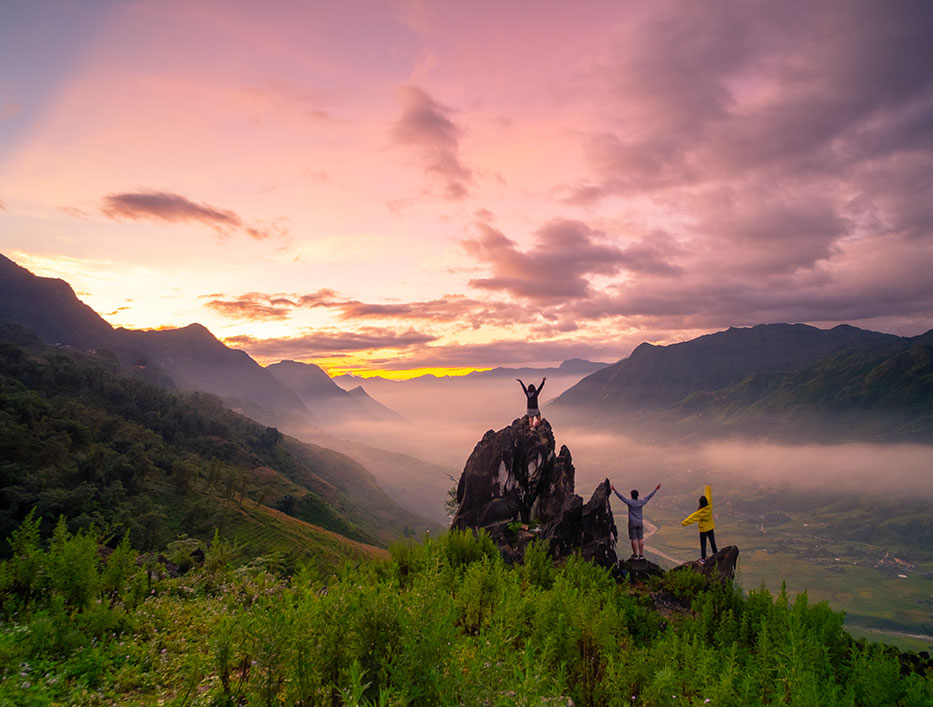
column 79, row 438
column 442, row 622
column 779, row 380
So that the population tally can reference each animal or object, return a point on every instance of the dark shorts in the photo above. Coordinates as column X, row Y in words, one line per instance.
column 636, row 532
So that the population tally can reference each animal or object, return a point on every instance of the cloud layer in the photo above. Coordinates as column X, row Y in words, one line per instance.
column 477, row 175
column 426, row 127
column 166, row 206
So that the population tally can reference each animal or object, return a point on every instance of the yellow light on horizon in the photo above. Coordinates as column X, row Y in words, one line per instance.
column 403, row 374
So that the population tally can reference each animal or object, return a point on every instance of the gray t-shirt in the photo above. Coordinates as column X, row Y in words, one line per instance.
column 634, row 506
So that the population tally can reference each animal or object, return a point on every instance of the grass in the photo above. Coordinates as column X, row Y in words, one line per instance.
column 266, row 531
column 441, row 622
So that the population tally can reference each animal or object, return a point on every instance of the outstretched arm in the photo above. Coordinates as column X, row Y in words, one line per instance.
column 621, row 497
column 692, row 518
column 648, row 497
column 542, row 383
column 708, row 492
column 522, row 385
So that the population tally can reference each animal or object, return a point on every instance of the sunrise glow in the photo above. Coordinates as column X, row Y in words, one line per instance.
column 410, row 187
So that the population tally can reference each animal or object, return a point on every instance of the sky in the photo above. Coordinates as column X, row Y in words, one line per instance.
column 413, row 185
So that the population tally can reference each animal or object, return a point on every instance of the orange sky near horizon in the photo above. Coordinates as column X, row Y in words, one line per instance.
column 407, row 186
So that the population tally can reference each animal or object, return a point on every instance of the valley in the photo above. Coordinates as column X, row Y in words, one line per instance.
column 886, row 591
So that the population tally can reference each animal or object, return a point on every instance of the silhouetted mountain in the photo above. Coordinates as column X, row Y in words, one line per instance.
column 50, row 307
column 777, row 379
column 196, row 360
column 371, row 408
column 82, row 439
column 318, row 392
column 571, row 367
column 190, row 356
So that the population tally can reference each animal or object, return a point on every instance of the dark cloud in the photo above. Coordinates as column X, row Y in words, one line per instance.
column 713, row 90
column 869, row 280
column 451, row 308
column 792, row 143
column 425, row 126
column 321, row 298
column 166, row 206
column 767, row 230
column 253, row 306
column 470, row 312
column 327, row 343
column 261, row 305
column 560, row 262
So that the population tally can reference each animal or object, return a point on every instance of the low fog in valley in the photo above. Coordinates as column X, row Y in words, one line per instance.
column 445, row 418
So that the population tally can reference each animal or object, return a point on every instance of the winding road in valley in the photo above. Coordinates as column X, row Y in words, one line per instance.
column 650, row 529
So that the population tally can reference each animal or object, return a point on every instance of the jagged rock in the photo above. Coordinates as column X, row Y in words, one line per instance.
column 638, row 570
column 514, row 478
column 719, row 566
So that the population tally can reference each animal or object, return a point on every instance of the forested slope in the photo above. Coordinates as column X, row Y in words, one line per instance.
column 80, row 438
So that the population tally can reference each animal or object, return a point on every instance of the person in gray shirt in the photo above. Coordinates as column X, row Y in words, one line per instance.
column 636, row 525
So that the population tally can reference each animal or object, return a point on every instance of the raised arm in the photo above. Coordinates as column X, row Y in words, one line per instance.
column 621, row 497
column 540, row 387
column 648, row 497
column 708, row 492
column 693, row 517
column 522, row 385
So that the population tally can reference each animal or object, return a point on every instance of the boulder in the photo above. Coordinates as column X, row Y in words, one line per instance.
column 718, row 566
column 516, row 487
column 641, row 570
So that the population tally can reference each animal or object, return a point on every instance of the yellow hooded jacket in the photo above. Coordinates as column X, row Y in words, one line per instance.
column 703, row 516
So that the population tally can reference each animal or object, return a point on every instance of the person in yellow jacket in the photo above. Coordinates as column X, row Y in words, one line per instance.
column 704, row 517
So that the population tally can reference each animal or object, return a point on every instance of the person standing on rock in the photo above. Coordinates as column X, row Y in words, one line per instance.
column 531, row 394
column 703, row 517
column 636, row 524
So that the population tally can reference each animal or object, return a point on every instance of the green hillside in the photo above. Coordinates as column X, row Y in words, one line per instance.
column 787, row 381
column 445, row 622
column 80, row 438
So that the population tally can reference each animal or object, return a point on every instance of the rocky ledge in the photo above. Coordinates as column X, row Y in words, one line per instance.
column 518, row 489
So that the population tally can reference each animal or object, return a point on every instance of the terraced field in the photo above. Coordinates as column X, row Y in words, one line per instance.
column 266, row 531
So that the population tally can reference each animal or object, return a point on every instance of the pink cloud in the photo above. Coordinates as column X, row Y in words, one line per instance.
column 166, row 206
column 560, row 262
column 320, row 343
column 425, row 126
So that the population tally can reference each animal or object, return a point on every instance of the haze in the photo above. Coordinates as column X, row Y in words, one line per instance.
column 446, row 418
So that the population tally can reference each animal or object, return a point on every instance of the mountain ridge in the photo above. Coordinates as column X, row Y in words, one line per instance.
column 773, row 379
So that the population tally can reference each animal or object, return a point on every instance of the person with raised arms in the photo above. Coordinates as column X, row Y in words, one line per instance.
column 531, row 395
column 703, row 517
column 636, row 524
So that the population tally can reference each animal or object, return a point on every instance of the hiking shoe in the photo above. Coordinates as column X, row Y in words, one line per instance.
column 702, row 560
column 634, row 557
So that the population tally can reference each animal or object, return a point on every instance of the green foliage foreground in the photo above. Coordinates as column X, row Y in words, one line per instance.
column 443, row 622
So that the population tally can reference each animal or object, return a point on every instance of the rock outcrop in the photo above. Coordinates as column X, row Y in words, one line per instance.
column 640, row 570
column 516, row 487
column 719, row 566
